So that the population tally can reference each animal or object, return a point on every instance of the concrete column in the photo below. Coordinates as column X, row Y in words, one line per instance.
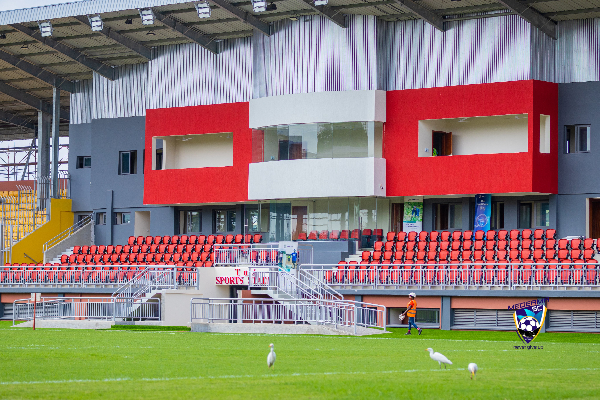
column 43, row 158
column 55, row 143
column 110, row 219
column 445, row 314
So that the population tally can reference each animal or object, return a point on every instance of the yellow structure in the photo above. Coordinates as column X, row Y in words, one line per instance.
column 61, row 218
column 19, row 214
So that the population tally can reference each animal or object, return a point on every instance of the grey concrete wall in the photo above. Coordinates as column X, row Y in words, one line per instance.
column 578, row 103
column 80, row 145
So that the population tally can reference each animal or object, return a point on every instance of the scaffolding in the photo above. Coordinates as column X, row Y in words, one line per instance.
column 18, row 160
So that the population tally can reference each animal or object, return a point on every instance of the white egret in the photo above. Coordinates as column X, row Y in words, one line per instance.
column 440, row 358
column 271, row 357
column 472, row 369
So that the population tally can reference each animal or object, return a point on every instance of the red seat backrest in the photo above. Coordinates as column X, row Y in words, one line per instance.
column 334, row 235
column 456, row 236
column 502, row 235
column 324, row 235
column 390, row 236
column 479, row 235
column 302, row 236
column 312, row 235
column 140, row 240
column 131, row 240
column 538, row 234
column 257, row 238
column 401, row 236
column 345, row 234
column 229, row 239
column 526, row 234
column 467, row 235
column 423, row 236
column 157, row 240
column 239, row 239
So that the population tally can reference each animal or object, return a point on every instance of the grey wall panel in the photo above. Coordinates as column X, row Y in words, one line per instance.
column 578, row 51
column 543, row 54
column 189, row 75
column 412, row 54
column 572, row 214
column 80, row 137
column 578, row 104
column 315, row 55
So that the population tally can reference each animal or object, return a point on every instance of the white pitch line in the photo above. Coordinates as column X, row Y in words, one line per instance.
column 127, row 379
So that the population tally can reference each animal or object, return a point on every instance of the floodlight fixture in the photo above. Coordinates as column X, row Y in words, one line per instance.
column 25, row 46
column 272, row 7
column 259, row 5
column 321, row 2
column 2, row 35
column 150, row 33
column 45, row 28
column 147, row 16
column 203, row 9
column 129, row 21
column 96, row 23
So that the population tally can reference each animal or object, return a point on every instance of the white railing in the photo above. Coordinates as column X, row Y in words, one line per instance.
column 155, row 278
column 85, row 308
column 266, row 254
column 92, row 276
column 67, row 232
column 320, row 312
column 294, row 283
column 516, row 276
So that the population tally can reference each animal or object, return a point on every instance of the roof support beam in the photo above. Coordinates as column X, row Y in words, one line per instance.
column 30, row 100
column 423, row 13
column 15, row 120
column 334, row 16
column 120, row 38
column 203, row 40
column 38, row 72
column 244, row 16
column 530, row 15
column 91, row 63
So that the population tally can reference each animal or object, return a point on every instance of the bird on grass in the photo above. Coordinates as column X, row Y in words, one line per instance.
column 271, row 357
column 472, row 369
column 440, row 358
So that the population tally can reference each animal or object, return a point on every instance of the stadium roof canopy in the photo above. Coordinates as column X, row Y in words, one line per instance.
column 30, row 65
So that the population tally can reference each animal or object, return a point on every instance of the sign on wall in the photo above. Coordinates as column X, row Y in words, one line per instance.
column 231, row 275
column 413, row 214
column 483, row 212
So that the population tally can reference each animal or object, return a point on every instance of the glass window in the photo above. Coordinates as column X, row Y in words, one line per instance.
column 122, row 218
column 525, row 214
column 497, row 221
column 127, row 162
column 322, row 140
column 193, row 221
column 84, row 162
column 542, row 213
column 220, row 221
column 230, row 221
column 101, row 218
column 252, row 220
column 577, row 138
column 455, row 216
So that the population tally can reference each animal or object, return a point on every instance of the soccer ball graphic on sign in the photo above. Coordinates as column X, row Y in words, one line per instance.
column 528, row 325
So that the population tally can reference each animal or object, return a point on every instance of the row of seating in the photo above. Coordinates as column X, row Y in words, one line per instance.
column 370, row 235
column 135, row 258
column 527, row 273
column 446, row 236
column 195, row 239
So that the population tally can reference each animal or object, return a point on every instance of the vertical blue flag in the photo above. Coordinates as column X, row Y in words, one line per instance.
column 483, row 212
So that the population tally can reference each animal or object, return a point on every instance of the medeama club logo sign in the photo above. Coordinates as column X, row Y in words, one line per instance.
column 529, row 318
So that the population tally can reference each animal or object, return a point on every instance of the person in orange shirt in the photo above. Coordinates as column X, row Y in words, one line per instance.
column 411, row 311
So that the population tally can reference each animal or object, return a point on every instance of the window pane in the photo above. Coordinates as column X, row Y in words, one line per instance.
column 125, row 218
column 570, row 139
column 350, row 140
column 252, row 220
column 525, row 215
column 542, row 211
column 220, row 221
column 584, row 139
column 324, row 140
column 283, row 140
column 455, row 216
column 124, row 162
column 303, row 141
column 87, row 161
column 193, row 221
column 230, row 221
column 258, row 145
column 270, row 144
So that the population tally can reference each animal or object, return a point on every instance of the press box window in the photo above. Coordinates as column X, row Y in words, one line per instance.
column 84, row 162
column 101, row 218
column 122, row 218
column 577, row 138
column 497, row 220
column 224, row 221
column 447, row 216
column 193, row 221
column 128, row 162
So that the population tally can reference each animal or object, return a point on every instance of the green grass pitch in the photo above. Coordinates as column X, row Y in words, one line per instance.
column 148, row 364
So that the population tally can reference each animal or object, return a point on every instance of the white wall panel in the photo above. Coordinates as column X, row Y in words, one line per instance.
column 578, row 51
column 81, row 102
column 123, row 97
column 321, row 177
column 189, row 75
column 315, row 55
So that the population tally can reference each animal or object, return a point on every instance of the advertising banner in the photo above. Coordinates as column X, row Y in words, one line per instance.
column 413, row 214
column 231, row 275
column 483, row 212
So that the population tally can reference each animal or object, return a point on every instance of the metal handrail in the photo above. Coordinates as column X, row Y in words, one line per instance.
column 289, row 282
column 470, row 275
column 345, row 313
column 67, row 232
column 151, row 278
column 77, row 308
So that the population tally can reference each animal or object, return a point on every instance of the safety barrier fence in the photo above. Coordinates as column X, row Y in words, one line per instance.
column 87, row 308
column 96, row 276
column 295, row 283
column 266, row 254
column 315, row 312
column 505, row 276
column 67, row 232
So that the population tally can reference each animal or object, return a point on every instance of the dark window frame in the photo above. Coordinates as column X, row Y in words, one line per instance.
column 574, row 148
column 131, row 163
column 83, row 162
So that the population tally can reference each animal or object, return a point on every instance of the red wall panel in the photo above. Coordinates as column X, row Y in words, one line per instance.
column 199, row 185
column 410, row 175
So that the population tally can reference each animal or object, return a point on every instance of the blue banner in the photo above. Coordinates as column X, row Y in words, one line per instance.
column 483, row 212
